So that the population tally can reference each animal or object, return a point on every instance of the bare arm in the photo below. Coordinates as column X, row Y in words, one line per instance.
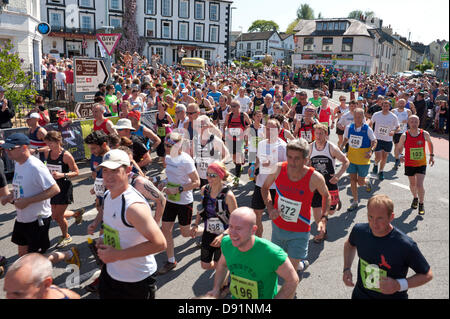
column 349, row 256
column 151, row 192
column 291, row 280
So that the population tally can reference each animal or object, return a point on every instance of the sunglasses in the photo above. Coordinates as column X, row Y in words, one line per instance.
column 168, row 145
column 11, row 148
column 212, row 175
column 191, row 113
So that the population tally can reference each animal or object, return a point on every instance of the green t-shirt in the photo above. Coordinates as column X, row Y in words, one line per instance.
column 294, row 101
column 109, row 100
column 316, row 103
column 253, row 273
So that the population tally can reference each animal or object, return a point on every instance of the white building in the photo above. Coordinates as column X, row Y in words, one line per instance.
column 279, row 45
column 200, row 28
column 346, row 44
column 18, row 22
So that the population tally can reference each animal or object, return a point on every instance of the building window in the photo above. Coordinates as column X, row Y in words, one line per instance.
column 330, row 26
column 241, row 46
column 115, row 21
column 213, row 34
column 199, row 10
column 150, row 28
column 183, row 31
column 319, row 26
column 150, row 7
column 336, row 26
column 347, row 44
column 207, row 55
column 308, row 44
column 343, row 26
column 86, row 3
column 166, row 30
column 214, row 11
column 327, row 44
column 86, row 22
column 258, row 45
column 166, row 8
column 199, row 31
column 115, row 5
column 249, row 46
column 184, row 9
column 56, row 19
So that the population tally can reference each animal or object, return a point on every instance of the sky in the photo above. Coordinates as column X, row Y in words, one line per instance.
column 426, row 20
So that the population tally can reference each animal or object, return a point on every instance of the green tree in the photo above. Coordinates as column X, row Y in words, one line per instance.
column 355, row 14
column 305, row 12
column 426, row 65
column 291, row 26
column 263, row 25
column 19, row 85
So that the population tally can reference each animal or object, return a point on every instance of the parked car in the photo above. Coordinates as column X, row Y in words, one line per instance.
column 407, row 74
column 429, row 72
column 417, row 73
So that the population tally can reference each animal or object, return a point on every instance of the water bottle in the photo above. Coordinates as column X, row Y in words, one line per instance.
column 93, row 249
column 252, row 172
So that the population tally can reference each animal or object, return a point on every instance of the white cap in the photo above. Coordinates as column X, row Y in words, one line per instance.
column 124, row 124
column 34, row 115
column 185, row 91
column 114, row 159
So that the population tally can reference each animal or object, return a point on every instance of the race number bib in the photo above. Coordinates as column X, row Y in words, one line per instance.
column 417, row 154
column 234, row 131
column 54, row 168
column 255, row 140
column 176, row 197
column 289, row 209
column 111, row 236
column 355, row 141
column 307, row 135
column 383, row 131
column 403, row 127
column 242, row 288
column 214, row 226
column 371, row 275
column 99, row 188
column 161, row 131
column 202, row 165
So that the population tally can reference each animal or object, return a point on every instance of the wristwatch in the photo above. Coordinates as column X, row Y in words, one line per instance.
column 180, row 189
column 65, row 175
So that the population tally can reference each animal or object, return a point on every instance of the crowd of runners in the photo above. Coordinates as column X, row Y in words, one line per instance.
column 262, row 124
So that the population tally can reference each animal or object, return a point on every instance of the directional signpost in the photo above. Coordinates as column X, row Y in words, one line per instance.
column 88, row 74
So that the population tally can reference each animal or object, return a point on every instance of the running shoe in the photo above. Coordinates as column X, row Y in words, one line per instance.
column 63, row 242
column 421, row 210
column 368, row 186
column 381, row 176
column 75, row 260
column 353, row 206
column 2, row 261
column 415, row 203
column 303, row 265
column 166, row 268
column 79, row 216
column 396, row 165
column 375, row 170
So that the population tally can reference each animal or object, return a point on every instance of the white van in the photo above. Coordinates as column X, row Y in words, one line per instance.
column 256, row 58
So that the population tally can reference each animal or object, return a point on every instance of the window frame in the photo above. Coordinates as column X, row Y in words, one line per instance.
column 196, row 2
column 195, row 32
column 214, row 26
column 188, row 9
column 171, row 8
column 180, row 23
column 344, row 44
column 211, row 4
column 62, row 14
column 155, row 8
column 154, row 28
column 91, row 15
column 92, row 6
column 117, row 17
column 162, row 29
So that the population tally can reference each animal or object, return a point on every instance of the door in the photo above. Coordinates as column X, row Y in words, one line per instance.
column 73, row 48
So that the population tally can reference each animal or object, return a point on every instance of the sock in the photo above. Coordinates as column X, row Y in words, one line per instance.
column 171, row 260
column 238, row 170
column 301, row 266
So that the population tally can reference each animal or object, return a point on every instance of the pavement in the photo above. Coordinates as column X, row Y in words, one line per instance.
column 322, row 280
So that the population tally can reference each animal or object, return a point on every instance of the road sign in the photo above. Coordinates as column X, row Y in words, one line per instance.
column 44, row 28
column 444, row 57
column 446, row 47
column 445, row 65
column 89, row 73
column 84, row 110
column 109, row 41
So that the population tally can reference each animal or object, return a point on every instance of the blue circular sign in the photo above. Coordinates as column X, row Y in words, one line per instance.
column 43, row 28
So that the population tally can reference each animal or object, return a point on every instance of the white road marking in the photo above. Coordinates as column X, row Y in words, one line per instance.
column 400, row 185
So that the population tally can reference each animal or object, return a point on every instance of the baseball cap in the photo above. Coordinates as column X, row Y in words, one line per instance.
column 114, row 159
column 33, row 115
column 15, row 139
column 135, row 114
column 185, row 91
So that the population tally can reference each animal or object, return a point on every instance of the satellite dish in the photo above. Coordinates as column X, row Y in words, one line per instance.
column 43, row 28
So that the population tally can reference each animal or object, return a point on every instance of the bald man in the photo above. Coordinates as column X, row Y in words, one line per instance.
column 30, row 277
column 254, row 263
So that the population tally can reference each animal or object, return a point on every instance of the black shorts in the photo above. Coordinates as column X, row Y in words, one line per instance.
column 110, row 288
column 32, row 235
column 184, row 213
column 396, row 137
column 339, row 131
column 384, row 146
column 257, row 200
column 65, row 196
column 412, row 170
column 209, row 253
column 160, row 150
column 317, row 201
